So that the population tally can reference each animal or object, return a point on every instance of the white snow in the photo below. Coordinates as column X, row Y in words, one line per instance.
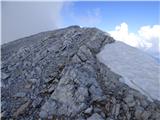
column 138, row 70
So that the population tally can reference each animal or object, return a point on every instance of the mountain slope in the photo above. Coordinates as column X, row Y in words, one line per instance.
column 139, row 70
column 56, row 75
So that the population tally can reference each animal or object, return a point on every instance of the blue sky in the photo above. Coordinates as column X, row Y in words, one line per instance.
column 135, row 13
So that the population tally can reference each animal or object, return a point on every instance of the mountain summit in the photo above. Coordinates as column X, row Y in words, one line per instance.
column 66, row 75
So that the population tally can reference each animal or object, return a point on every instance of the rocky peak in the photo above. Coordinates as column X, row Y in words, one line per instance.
column 56, row 75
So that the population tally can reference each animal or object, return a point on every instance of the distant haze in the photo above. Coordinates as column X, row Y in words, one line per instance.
column 20, row 19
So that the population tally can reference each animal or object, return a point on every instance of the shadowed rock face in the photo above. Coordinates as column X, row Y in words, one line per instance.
column 56, row 75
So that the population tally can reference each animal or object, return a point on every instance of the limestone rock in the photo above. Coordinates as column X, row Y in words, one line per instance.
column 130, row 100
column 21, row 109
column 88, row 110
column 95, row 116
column 20, row 94
column 145, row 115
column 56, row 75
column 138, row 112
column 4, row 76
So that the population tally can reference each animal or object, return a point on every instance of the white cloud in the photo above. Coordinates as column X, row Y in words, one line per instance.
column 147, row 38
column 121, row 33
column 22, row 18
column 148, row 32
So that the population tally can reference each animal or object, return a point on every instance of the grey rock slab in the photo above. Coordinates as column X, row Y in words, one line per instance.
column 76, row 59
column 96, row 93
column 109, row 118
column 48, row 109
column 47, row 80
column 117, row 109
column 36, row 102
column 95, row 116
column 95, row 44
column 145, row 115
column 129, row 99
column 82, row 56
column 97, row 110
column 156, row 115
column 32, row 80
column 4, row 76
column 21, row 109
column 72, row 92
column 139, row 110
column 20, row 94
column 103, row 114
column 52, row 88
column 88, row 110
column 28, row 86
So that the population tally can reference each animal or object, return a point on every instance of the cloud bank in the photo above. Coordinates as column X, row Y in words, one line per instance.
column 20, row 19
column 147, row 38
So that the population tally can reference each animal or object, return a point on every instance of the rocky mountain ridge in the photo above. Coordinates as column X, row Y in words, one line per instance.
column 56, row 75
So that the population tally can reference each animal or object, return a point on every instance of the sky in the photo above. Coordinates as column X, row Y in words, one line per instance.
column 135, row 23
column 106, row 15
column 20, row 19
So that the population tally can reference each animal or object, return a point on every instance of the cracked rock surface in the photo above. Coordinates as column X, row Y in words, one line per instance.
column 55, row 75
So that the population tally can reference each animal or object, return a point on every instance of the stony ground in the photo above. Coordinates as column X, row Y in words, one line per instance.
column 55, row 75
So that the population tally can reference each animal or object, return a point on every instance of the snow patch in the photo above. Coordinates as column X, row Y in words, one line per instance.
column 139, row 70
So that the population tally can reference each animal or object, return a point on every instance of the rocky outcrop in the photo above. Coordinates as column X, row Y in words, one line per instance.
column 56, row 75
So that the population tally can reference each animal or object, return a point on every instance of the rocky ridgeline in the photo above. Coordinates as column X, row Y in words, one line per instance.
column 56, row 75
